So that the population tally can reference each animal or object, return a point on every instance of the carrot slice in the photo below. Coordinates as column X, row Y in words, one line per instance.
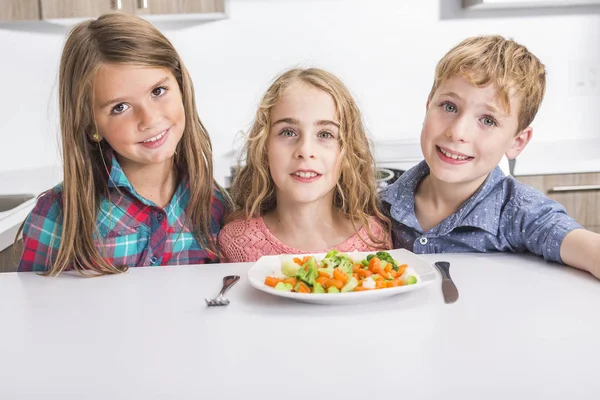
column 340, row 275
column 272, row 281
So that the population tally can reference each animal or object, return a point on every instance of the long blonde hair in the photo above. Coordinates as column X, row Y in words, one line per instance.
column 253, row 189
column 119, row 39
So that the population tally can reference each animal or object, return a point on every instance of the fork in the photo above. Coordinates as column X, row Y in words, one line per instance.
column 228, row 282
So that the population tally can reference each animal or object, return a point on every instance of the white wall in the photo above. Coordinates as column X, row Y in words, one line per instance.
column 385, row 51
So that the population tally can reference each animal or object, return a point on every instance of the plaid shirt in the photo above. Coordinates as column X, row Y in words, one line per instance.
column 132, row 230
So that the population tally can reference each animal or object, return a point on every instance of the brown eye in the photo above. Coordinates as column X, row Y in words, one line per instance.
column 119, row 109
column 159, row 91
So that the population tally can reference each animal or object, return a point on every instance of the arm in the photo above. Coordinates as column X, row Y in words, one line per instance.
column 581, row 249
column 41, row 234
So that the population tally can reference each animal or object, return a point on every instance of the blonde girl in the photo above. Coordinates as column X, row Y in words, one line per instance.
column 308, row 182
column 138, row 185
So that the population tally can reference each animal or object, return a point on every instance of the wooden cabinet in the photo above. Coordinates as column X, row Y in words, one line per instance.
column 23, row 10
column 19, row 10
column 579, row 193
column 56, row 9
column 164, row 7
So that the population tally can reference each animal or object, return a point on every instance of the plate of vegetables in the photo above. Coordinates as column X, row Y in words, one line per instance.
column 341, row 278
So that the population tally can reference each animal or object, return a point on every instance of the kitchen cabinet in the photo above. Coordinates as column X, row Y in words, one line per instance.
column 164, row 7
column 514, row 4
column 30, row 10
column 19, row 10
column 56, row 9
column 578, row 193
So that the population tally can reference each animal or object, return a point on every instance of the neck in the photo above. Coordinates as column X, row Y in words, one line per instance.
column 155, row 182
column 436, row 200
column 308, row 226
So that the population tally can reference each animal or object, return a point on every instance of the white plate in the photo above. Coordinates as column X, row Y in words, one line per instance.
column 271, row 265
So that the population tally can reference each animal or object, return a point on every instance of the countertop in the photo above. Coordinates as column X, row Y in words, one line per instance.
column 522, row 328
column 559, row 157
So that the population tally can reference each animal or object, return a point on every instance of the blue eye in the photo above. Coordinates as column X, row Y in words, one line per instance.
column 287, row 133
column 448, row 107
column 119, row 109
column 488, row 121
column 325, row 135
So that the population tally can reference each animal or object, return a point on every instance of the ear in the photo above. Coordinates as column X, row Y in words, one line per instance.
column 519, row 142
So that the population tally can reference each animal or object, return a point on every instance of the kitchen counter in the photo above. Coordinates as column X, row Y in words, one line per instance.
column 32, row 182
column 559, row 157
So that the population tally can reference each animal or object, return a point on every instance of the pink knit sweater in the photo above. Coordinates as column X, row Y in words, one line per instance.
column 247, row 241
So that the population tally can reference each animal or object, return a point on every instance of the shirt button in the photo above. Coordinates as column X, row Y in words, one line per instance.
column 160, row 217
column 153, row 259
column 423, row 240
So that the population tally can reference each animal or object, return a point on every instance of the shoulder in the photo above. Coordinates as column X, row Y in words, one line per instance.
column 523, row 199
column 47, row 209
column 238, row 239
column 241, row 227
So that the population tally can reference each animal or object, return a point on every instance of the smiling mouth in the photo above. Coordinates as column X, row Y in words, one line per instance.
column 306, row 174
column 454, row 156
column 155, row 138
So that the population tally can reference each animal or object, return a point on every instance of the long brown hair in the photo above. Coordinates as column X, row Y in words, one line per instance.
column 118, row 39
column 253, row 189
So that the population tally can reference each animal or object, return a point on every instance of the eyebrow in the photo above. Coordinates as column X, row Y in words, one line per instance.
column 122, row 99
column 295, row 121
column 487, row 106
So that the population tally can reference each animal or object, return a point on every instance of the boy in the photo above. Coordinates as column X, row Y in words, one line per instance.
column 486, row 93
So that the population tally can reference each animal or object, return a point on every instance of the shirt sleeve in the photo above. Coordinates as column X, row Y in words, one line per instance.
column 219, row 208
column 41, row 233
column 538, row 224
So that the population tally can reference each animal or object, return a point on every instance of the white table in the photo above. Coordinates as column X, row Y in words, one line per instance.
column 521, row 329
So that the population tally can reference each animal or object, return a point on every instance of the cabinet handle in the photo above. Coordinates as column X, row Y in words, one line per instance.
column 582, row 188
column 142, row 3
column 117, row 4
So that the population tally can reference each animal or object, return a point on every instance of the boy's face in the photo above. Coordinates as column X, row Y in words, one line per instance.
column 467, row 131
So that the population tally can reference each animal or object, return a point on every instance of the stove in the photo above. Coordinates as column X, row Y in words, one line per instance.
column 387, row 176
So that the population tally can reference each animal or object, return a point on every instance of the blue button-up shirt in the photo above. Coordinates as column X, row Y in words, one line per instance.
column 502, row 215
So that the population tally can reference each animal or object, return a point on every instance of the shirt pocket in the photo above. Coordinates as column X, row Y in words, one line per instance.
column 124, row 246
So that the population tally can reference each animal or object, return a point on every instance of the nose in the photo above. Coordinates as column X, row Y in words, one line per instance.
column 148, row 117
column 305, row 148
column 458, row 130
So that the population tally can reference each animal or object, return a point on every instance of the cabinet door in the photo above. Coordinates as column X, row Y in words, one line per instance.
column 154, row 7
column 19, row 10
column 54, row 9
column 579, row 193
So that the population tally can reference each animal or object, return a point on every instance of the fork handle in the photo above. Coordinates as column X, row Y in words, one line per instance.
column 228, row 282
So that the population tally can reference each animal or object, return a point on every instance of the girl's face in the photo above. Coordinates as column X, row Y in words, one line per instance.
column 139, row 112
column 303, row 145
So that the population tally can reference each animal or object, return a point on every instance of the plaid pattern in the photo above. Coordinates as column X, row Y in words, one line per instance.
column 132, row 230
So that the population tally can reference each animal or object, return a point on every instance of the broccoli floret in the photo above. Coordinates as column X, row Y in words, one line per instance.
column 346, row 266
column 331, row 259
column 308, row 273
column 385, row 256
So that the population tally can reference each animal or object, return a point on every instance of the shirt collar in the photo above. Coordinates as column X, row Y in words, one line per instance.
column 480, row 211
column 118, row 179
